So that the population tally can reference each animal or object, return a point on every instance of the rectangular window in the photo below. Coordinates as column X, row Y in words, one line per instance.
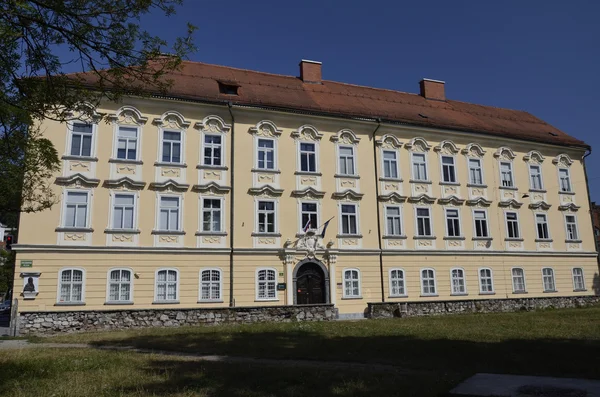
column 346, row 154
column 475, row 172
column 458, row 281
column 571, row 222
column 541, row 223
column 578, row 279
column 266, row 283
column 166, row 285
column 210, row 285
column 423, row 222
column 266, row 154
column 266, row 217
column 211, row 215
column 428, row 282
column 76, row 209
column 212, row 150
column 486, row 282
column 565, row 179
column 123, row 211
column 512, row 225
column 308, row 157
column 535, row 177
column 481, row 225
column 397, row 287
column 127, row 140
column 448, row 169
column 351, row 283
column 452, row 223
column 518, row 279
column 309, row 216
column 419, row 167
column 81, row 140
column 120, row 286
column 349, row 220
column 171, row 147
column 393, row 221
column 548, row 279
column 390, row 164
column 506, row 174
column 71, row 285
column 169, row 213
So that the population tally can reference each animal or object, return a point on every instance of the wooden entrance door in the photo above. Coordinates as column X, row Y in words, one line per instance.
column 310, row 285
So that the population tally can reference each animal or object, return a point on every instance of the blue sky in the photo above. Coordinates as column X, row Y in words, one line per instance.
column 539, row 56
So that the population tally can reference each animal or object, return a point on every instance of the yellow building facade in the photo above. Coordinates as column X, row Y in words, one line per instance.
column 174, row 203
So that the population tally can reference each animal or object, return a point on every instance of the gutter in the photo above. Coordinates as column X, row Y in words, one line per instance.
column 231, row 205
column 378, row 209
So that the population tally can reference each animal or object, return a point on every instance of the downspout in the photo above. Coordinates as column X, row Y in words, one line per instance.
column 378, row 211
column 231, row 205
column 587, row 188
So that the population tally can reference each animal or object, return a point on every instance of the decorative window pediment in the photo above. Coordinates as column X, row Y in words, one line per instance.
column 171, row 119
column 417, row 145
column 512, row 203
column 77, row 180
column 540, row 205
column 389, row 141
column 571, row 207
column 447, row 147
column 214, row 124
column 124, row 182
column 308, row 193
column 348, row 195
column 346, row 137
column 421, row 199
column 211, row 188
column 479, row 202
column 505, row 153
column 169, row 185
column 534, row 157
column 451, row 200
column 393, row 197
column 307, row 133
column 473, row 150
column 128, row 115
column 265, row 191
column 562, row 160
column 85, row 112
column 266, row 128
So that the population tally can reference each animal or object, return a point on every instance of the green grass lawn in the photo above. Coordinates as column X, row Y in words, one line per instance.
column 442, row 351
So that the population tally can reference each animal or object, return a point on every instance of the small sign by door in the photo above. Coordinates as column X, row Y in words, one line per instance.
column 26, row 263
column 281, row 287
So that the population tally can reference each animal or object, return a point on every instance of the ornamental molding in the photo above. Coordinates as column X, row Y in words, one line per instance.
column 345, row 136
column 479, row 202
column 447, row 147
column 451, row 200
column 571, row 207
column 265, row 191
column 473, row 150
column 389, row 141
column 212, row 188
column 309, row 192
column 124, row 182
column 512, row 203
column 348, row 195
column 505, row 153
column 128, row 115
column 393, row 197
column 171, row 119
column 540, row 205
column 78, row 180
column 421, row 199
column 214, row 124
column 562, row 160
column 307, row 133
column 169, row 185
column 417, row 144
column 534, row 157
column 266, row 128
column 310, row 242
column 85, row 112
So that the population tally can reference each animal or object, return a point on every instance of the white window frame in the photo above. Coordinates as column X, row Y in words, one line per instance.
column 138, row 142
column 568, row 170
column 512, row 174
column 464, row 280
column 582, row 279
column 452, row 166
column 539, row 167
column 267, row 269
column 506, row 225
column 487, row 222
column 535, row 220
column 354, row 158
column 275, row 210
column 460, row 226
column 113, row 194
column 70, row 138
column 203, row 146
column 400, row 215
column 396, row 162
column 301, row 222
column 403, row 279
column 512, row 278
column 275, row 154
column 201, row 217
column 421, row 279
column 88, row 215
column 480, row 161
column 59, row 284
column 553, row 280
column 430, row 217
column 341, row 222
column 316, row 154
column 108, row 283
column 412, row 167
column 178, row 283
column 345, row 294
column 158, row 210
column 161, row 139
column 481, row 291
column 211, row 282
column 576, row 223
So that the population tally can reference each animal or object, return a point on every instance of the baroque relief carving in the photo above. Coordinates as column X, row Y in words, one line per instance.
column 505, row 153
column 74, row 236
column 562, row 160
column 345, row 136
column 126, row 169
column 447, row 147
column 266, row 240
column 266, row 128
column 307, row 133
column 122, row 238
column 534, row 157
column 213, row 124
column 128, row 115
column 170, row 172
column 211, row 240
column 171, row 119
column 473, row 150
column 79, row 166
column 389, row 141
column 168, row 239
column 418, row 144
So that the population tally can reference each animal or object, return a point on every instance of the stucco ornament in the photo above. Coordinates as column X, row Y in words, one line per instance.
column 266, row 128
column 473, row 150
column 213, row 124
column 128, row 115
column 418, row 144
column 307, row 133
column 310, row 242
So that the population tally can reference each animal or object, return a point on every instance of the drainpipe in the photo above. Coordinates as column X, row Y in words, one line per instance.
column 587, row 188
column 378, row 211
column 231, row 205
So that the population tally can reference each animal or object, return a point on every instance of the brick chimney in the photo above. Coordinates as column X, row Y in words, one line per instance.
column 432, row 89
column 310, row 71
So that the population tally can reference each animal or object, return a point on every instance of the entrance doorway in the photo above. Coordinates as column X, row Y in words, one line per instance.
column 310, row 284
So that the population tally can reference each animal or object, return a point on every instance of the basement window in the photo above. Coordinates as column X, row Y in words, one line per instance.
column 228, row 88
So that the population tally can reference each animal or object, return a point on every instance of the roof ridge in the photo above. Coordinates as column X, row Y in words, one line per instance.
column 240, row 69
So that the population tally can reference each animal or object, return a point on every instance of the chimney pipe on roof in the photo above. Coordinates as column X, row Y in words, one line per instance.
column 432, row 89
column 310, row 71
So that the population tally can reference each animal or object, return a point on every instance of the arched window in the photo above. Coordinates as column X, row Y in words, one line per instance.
column 457, row 279
column 167, row 285
column 351, row 283
column 548, row 279
column 397, row 287
column 428, row 285
column 119, row 285
column 486, row 281
column 266, row 284
column 518, row 280
column 210, row 285
column 71, row 286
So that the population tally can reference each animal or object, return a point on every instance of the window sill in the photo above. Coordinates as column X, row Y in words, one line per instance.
column 429, row 295
column 212, row 167
column 210, row 233
column 508, row 188
column 551, row 291
column 424, row 238
column 442, row 183
column 482, row 239
column 175, row 302
column 574, row 241
column 267, row 300
column 394, row 237
column 351, row 297
column 461, row 294
column 125, row 161
column 118, row 303
column 513, row 239
column 538, row 191
column 74, row 229
column 398, row 296
column 311, row 173
column 267, row 171
column 417, row 181
column 487, row 293
column 384, row 179
column 69, row 304
column 79, row 158
column 261, row 234
column 172, row 165
column 349, row 236
column 454, row 238
column 351, row 176
column 476, row 185
column 543, row 240
column 567, row 193
column 580, row 290
column 168, row 232
column 519, row 292
column 210, row 301
column 122, row 231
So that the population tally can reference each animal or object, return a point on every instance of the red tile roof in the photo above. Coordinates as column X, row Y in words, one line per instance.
column 199, row 81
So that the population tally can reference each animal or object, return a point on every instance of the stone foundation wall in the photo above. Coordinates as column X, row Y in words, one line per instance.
column 437, row 308
column 48, row 323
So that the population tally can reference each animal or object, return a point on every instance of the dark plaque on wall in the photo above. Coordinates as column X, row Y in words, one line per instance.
column 281, row 287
